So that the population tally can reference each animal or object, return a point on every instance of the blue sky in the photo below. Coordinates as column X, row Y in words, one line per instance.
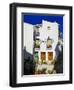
column 37, row 19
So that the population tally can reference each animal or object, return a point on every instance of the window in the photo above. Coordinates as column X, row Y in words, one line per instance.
column 37, row 43
column 48, row 27
column 36, row 57
column 49, row 43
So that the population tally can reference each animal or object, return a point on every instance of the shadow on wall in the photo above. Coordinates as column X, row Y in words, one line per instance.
column 29, row 64
column 59, row 57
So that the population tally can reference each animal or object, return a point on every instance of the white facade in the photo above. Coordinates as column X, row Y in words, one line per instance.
column 28, row 37
column 47, row 29
column 52, row 32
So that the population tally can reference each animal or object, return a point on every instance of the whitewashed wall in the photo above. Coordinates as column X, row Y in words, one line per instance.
column 28, row 37
column 44, row 34
column 52, row 33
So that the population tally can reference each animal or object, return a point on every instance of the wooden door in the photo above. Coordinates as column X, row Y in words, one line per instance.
column 43, row 56
column 50, row 55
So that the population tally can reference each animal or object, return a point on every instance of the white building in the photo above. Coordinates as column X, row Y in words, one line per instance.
column 47, row 30
column 28, row 39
